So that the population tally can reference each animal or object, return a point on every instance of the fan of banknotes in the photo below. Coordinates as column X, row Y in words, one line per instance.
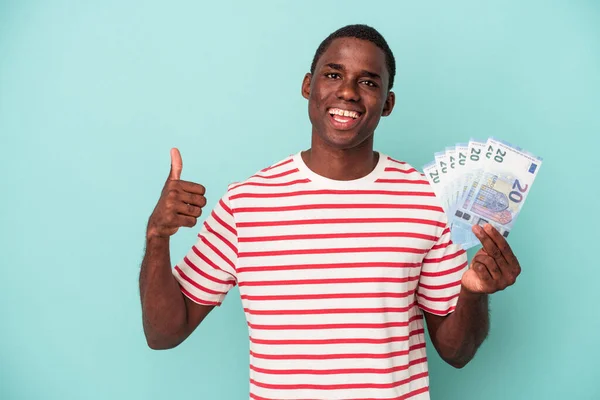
column 482, row 182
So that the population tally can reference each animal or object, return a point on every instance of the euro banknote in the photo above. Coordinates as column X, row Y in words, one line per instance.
column 477, row 151
column 490, row 186
column 441, row 160
column 500, row 194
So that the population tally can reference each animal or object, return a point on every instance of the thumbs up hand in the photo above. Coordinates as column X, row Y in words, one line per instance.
column 180, row 203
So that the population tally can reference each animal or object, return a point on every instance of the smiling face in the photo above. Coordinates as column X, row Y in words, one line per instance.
column 347, row 95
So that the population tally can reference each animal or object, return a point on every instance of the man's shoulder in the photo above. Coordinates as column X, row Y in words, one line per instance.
column 400, row 166
column 276, row 174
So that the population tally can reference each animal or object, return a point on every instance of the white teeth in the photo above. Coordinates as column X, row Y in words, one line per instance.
column 343, row 113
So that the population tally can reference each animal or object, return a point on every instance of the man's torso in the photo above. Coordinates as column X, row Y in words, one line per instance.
column 327, row 272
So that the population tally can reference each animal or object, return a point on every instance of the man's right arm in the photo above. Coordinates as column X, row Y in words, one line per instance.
column 169, row 317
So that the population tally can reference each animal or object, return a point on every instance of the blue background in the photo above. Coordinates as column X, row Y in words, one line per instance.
column 94, row 94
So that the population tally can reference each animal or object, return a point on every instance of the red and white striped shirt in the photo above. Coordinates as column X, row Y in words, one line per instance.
column 333, row 276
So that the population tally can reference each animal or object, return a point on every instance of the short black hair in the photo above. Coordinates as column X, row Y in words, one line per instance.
column 363, row 32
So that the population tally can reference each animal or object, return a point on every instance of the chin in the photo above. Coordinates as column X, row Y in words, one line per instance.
column 344, row 139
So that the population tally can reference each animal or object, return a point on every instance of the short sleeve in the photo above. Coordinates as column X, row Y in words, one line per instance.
column 441, row 273
column 208, row 271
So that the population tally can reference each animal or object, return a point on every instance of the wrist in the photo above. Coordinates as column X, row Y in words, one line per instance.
column 154, row 237
column 469, row 295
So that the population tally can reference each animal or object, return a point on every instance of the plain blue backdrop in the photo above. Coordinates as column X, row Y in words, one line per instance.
column 94, row 94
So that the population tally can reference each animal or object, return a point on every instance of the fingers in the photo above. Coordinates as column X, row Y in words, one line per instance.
column 192, row 187
column 185, row 220
column 177, row 198
column 176, row 164
column 188, row 210
column 192, row 198
column 497, row 258
column 507, row 253
column 485, row 261
column 486, row 280
column 490, row 246
column 176, row 192
column 185, row 203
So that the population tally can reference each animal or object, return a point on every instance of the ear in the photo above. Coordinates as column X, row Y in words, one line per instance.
column 306, row 85
column 390, row 101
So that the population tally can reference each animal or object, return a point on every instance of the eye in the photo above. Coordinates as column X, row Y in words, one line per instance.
column 332, row 75
column 369, row 83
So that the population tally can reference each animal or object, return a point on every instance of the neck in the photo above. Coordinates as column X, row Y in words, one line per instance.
column 341, row 164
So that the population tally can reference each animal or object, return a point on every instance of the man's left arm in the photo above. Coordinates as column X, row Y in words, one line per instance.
column 458, row 335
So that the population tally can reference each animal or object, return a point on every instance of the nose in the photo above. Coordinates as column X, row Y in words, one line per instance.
column 348, row 91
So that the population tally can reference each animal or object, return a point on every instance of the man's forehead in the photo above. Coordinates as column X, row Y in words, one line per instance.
column 354, row 53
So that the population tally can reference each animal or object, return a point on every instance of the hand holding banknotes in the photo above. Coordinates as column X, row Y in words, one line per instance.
column 494, row 267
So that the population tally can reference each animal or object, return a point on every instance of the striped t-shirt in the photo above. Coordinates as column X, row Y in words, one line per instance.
column 333, row 276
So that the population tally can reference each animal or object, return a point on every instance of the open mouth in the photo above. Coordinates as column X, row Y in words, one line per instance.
column 344, row 119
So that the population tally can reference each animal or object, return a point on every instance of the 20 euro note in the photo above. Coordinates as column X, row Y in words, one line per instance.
column 475, row 166
column 451, row 182
column 441, row 161
column 460, row 175
column 473, row 170
column 503, row 187
column 432, row 174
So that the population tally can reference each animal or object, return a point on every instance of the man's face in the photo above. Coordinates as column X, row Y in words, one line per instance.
column 347, row 95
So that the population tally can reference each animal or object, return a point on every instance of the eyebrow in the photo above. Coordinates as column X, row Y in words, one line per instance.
column 340, row 67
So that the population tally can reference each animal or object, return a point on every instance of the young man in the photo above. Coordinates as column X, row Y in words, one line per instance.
column 341, row 254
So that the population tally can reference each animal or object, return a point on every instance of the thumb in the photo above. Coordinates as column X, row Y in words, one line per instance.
column 176, row 164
